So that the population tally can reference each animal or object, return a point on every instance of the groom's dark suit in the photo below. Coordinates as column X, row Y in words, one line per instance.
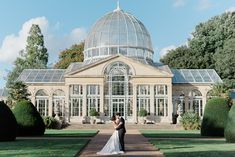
column 121, row 133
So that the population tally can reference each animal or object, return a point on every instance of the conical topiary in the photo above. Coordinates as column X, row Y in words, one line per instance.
column 215, row 117
column 229, row 131
column 8, row 123
column 30, row 122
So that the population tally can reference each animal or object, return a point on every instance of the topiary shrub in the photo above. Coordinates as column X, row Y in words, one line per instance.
column 229, row 131
column 142, row 112
column 30, row 122
column 8, row 123
column 93, row 112
column 215, row 117
column 190, row 121
column 51, row 123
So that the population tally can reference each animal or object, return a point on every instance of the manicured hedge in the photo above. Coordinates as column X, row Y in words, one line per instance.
column 215, row 117
column 229, row 131
column 8, row 128
column 30, row 122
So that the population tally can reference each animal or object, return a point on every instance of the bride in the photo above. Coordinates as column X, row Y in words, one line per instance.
column 113, row 145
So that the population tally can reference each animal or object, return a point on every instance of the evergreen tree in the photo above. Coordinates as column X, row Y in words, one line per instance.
column 35, row 56
column 17, row 92
column 36, row 53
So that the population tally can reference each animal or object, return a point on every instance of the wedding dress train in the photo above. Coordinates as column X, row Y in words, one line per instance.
column 112, row 146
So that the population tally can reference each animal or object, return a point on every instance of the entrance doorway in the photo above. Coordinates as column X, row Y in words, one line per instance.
column 118, row 105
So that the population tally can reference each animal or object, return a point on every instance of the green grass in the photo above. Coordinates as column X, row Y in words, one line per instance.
column 42, row 148
column 172, row 134
column 70, row 133
column 195, row 148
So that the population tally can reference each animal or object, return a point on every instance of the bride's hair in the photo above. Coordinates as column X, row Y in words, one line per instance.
column 113, row 118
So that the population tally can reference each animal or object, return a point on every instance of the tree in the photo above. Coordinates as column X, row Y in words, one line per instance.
column 225, row 61
column 220, row 90
column 35, row 56
column 182, row 57
column 17, row 92
column 73, row 54
column 210, row 36
column 211, row 47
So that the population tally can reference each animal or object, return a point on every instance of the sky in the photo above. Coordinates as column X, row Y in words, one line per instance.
column 64, row 23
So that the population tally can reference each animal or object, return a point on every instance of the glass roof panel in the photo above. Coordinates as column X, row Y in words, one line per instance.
column 42, row 75
column 195, row 76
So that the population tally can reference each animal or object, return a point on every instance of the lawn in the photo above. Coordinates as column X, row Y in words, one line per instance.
column 70, row 133
column 172, row 134
column 42, row 148
column 195, row 148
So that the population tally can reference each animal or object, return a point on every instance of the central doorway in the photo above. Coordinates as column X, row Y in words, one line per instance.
column 118, row 105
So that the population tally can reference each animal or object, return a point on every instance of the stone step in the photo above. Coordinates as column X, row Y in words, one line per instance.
column 74, row 126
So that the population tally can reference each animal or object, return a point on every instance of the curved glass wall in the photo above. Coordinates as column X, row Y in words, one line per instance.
column 118, row 33
column 118, row 90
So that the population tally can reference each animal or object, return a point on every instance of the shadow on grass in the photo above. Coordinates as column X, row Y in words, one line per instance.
column 47, row 148
column 195, row 148
column 173, row 134
column 201, row 154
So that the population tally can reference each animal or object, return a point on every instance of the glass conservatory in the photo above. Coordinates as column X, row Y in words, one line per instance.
column 118, row 75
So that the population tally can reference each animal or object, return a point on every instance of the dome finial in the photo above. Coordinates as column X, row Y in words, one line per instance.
column 118, row 6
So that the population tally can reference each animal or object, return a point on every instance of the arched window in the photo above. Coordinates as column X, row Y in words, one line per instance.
column 196, row 102
column 42, row 100
column 118, row 89
column 58, row 102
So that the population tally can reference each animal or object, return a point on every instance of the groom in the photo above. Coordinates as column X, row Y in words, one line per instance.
column 121, row 130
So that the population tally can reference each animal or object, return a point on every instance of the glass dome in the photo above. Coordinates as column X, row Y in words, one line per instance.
column 118, row 32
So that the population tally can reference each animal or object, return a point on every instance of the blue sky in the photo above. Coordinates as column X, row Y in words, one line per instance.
column 64, row 22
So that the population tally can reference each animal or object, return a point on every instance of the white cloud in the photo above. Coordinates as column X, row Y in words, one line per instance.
column 13, row 43
column 179, row 3
column 230, row 10
column 205, row 4
column 165, row 50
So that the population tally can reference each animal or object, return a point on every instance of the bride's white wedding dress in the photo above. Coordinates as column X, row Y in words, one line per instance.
column 112, row 146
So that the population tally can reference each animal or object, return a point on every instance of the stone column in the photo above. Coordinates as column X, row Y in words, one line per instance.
column 102, row 98
column 152, row 97
column 33, row 99
column 84, row 99
column 134, row 104
column 170, row 103
column 50, row 105
column 67, row 103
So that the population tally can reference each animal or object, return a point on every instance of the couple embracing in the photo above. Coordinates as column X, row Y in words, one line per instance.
column 115, row 144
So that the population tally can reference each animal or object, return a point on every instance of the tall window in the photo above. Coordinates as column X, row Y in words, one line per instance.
column 93, row 98
column 42, row 100
column 76, row 100
column 76, row 107
column 161, row 100
column 143, row 97
column 196, row 102
column 59, row 102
